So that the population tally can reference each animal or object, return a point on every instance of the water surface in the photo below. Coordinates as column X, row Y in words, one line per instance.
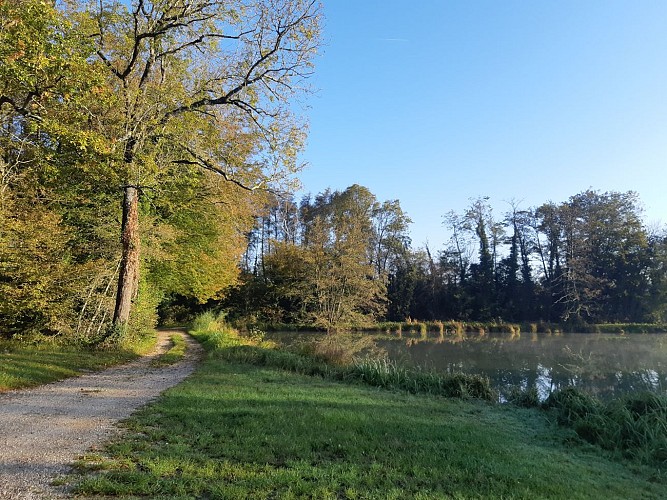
column 605, row 365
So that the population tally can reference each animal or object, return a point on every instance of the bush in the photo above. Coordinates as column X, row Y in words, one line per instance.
column 572, row 405
column 634, row 425
column 525, row 398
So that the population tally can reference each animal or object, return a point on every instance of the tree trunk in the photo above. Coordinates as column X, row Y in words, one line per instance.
column 128, row 278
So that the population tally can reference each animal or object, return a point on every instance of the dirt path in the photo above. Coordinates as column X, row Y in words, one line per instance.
column 43, row 430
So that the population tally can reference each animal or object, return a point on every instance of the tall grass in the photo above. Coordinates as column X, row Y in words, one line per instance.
column 634, row 425
column 387, row 374
column 212, row 330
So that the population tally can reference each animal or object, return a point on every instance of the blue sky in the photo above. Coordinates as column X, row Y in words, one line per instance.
column 434, row 102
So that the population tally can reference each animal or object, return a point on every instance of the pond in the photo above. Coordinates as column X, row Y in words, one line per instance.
column 605, row 365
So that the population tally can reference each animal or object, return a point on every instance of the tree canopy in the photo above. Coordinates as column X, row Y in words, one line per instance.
column 164, row 123
column 589, row 259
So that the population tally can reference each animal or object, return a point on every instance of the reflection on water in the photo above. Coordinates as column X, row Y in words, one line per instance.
column 605, row 365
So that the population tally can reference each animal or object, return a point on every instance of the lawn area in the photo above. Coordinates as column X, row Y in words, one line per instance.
column 30, row 365
column 234, row 430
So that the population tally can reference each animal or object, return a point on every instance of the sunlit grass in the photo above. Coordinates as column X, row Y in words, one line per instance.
column 174, row 354
column 29, row 365
column 240, row 431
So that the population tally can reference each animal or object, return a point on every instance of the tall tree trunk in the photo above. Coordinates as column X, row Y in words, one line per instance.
column 129, row 268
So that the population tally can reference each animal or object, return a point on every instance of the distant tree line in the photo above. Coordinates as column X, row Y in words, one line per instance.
column 589, row 259
column 345, row 258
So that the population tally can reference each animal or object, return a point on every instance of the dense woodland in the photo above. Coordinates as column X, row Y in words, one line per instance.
column 147, row 153
column 343, row 258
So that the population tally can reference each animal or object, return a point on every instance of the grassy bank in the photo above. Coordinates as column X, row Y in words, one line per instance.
column 239, row 428
column 27, row 365
column 376, row 373
column 634, row 425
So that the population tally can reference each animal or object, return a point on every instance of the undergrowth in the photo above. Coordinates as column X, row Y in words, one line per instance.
column 634, row 425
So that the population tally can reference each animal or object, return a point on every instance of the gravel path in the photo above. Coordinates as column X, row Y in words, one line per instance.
column 43, row 430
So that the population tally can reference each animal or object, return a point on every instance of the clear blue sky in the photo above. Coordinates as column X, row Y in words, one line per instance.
column 434, row 102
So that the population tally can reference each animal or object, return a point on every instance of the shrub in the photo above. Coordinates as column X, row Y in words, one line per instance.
column 526, row 398
column 635, row 425
column 572, row 405
column 207, row 322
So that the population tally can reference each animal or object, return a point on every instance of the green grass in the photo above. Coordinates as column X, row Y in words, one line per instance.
column 174, row 354
column 242, row 430
column 28, row 365
column 378, row 373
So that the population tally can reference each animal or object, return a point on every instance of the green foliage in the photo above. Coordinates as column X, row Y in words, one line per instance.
column 634, row 425
column 193, row 231
column 33, row 275
column 46, row 146
column 588, row 260
column 213, row 332
column 328, row 279
column 525, row 398
column 573, row 405
column 89, row 108
column 209, row 322
column 142, row 321
column 200, row 126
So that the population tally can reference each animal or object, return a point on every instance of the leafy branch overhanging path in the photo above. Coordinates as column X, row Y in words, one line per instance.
column 43, row 430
